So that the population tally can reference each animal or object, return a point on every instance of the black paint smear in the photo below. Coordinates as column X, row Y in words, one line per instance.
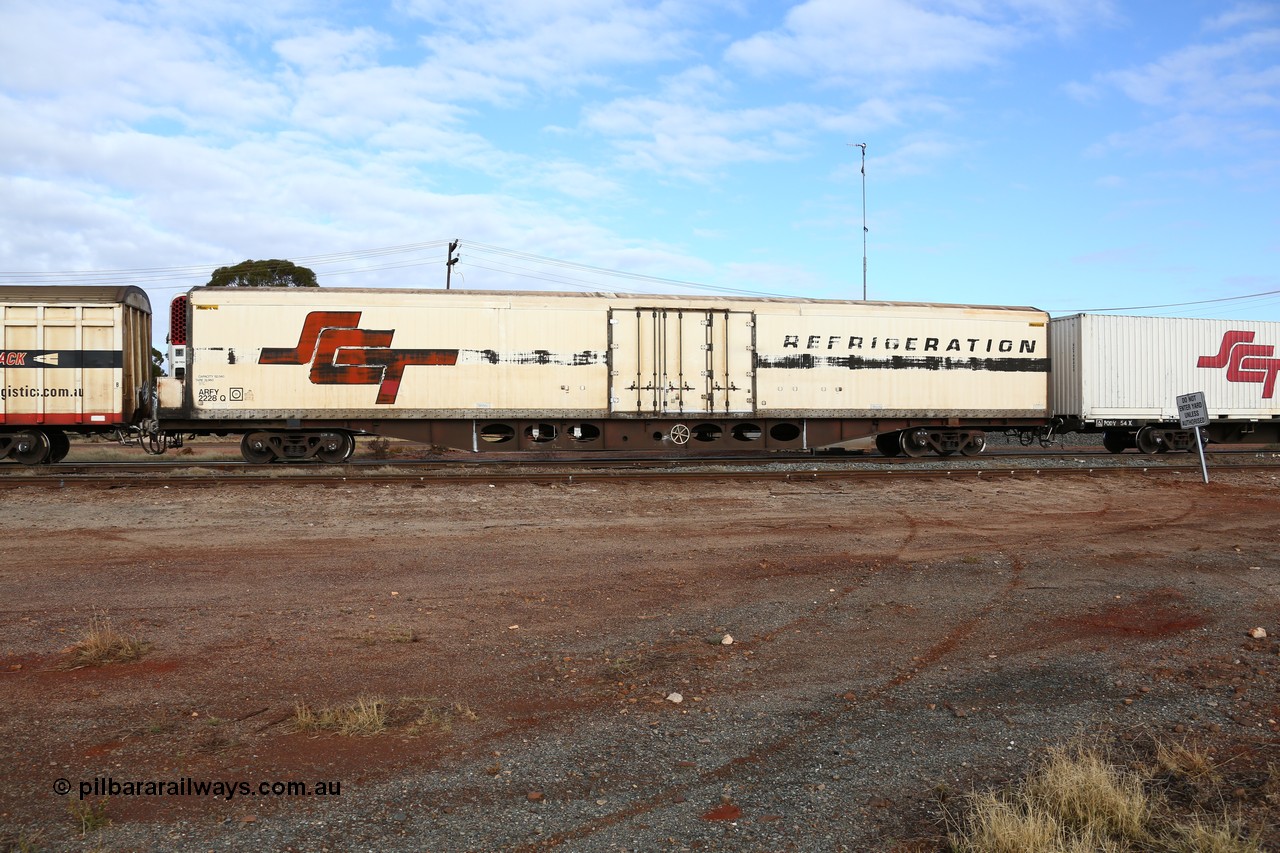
column 540, row 356
column 805, row 361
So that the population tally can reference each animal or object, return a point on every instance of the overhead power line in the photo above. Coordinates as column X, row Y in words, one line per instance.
column 1173, row 304
column 507, row 262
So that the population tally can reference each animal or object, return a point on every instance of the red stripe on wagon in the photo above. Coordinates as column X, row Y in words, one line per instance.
column 62, row 419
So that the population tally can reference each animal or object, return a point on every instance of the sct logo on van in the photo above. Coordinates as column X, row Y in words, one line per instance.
column 342, row 354
column 1245, row 361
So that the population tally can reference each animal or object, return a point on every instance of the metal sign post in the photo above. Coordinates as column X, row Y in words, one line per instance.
column 1194, row 412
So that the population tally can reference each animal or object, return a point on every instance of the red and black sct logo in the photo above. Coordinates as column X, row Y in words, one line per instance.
column 342, row 354
column 1245, row 361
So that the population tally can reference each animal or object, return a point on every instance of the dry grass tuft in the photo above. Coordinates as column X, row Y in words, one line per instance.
column 367, row 716
column 103, row 644
column 431, row 718
column 439, row 719
column 1077, row 801
column 414, row 716
column 1086, row 792
column 1189, row 761
column 1005, row 824
column 1200, row 834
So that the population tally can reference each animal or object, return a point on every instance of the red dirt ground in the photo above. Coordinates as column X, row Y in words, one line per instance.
column 888, row 638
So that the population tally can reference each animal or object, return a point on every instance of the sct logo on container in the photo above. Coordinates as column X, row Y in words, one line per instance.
column 1245, row 361
column 342, row 354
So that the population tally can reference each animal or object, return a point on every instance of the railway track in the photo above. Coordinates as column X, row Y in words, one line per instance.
column 198, row 474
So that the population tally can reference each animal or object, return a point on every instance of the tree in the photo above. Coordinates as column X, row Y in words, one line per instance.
column 271, row 273
column 157, row 363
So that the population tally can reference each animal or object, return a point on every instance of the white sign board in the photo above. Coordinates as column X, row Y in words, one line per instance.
column 1193, row 413
column 1192, row 410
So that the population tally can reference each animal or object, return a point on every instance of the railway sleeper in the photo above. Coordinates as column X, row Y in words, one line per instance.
column 332, row 446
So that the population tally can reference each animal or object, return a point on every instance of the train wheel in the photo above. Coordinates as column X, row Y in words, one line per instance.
column 913, row 442
column 1148, row 440
column 976, row 445
column 888, row 444
column 1116, row 441
column 255, row 450
column 59, row 445
column 343, row 447
column 32, row 447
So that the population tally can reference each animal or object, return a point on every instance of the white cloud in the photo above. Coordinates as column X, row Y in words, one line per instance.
column 695, row 140
column 100, row 70
column 865, row 40
column 1218, row 95
column 552, row 44
column 917, row 155
column 1065, row 17
column 1239, row 73
column 692, row 128
column 1188, row 131
column 332, row 50
column 1242, row 14
column 183, row 132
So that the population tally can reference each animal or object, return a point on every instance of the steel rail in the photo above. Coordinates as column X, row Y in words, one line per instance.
column 295, row 477
column 487, row 462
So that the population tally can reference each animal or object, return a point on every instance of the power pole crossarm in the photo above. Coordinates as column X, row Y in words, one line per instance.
column 448, row 265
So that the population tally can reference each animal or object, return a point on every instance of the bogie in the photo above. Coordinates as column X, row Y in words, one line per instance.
column 262, row 447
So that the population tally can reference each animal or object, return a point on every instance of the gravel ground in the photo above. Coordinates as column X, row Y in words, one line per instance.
column 895, row 646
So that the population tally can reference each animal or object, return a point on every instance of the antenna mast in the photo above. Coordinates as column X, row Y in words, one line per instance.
column 863, row 146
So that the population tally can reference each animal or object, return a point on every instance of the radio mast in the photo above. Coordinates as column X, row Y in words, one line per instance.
column 863, row 146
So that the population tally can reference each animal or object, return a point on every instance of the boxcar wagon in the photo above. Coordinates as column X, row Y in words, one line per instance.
column 299, row 372
column 72, row 359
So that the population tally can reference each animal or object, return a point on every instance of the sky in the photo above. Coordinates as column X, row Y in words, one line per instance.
column 1072, row 155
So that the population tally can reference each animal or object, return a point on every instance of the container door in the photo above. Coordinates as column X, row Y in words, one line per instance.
column 679, row 361
column 21, row 334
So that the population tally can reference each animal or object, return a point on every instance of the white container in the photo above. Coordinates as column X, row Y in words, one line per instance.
column 1118, row 371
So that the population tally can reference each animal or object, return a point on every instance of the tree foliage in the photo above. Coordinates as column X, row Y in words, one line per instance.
column 273, row 273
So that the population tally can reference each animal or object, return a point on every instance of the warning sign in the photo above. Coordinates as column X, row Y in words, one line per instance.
column 1192, row 410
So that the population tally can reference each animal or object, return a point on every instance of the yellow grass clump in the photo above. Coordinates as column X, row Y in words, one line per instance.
column 1077, row 801
column 103, row 643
